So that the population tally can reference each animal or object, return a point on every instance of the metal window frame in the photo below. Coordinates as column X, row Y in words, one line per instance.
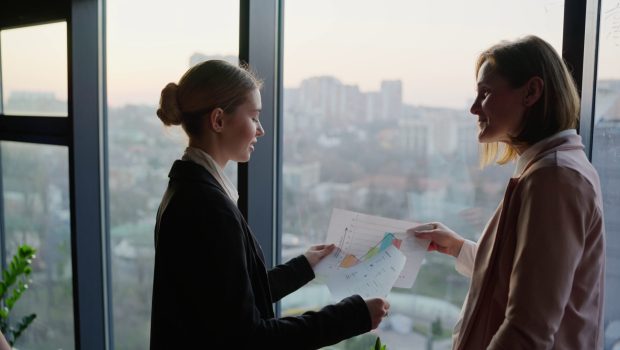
column 259, row 179
column 83, row 132
column 580, row 52
column 88, row 164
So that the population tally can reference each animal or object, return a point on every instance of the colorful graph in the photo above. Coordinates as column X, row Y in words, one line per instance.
column 388, row 240
column 372, row 275
column 369, row 259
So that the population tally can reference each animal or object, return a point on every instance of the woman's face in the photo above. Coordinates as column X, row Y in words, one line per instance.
column 242, row 128
column 499, row 107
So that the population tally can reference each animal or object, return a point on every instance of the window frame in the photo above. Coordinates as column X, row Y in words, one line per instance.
column 82, row 131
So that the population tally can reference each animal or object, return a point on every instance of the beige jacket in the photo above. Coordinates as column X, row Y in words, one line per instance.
column 538, row 268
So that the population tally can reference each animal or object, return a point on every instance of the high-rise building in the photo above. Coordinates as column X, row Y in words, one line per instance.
column 392, row 99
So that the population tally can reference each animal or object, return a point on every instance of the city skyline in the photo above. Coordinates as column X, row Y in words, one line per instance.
column 363, row 46
column 608, row 95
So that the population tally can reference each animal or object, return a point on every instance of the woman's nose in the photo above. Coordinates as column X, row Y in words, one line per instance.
column 260, row 131
column 475, row 107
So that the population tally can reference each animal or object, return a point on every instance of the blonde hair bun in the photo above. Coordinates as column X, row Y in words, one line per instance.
column 169, row 111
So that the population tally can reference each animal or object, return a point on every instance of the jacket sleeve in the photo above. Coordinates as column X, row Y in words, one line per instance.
column 288, row 277
column 219, row 296
column 464, row 263
column 550, row 238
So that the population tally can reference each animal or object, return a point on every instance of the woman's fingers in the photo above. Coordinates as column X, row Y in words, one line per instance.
column 321, row 247
column 424, row 227
column 327, row 248
column 428, row 234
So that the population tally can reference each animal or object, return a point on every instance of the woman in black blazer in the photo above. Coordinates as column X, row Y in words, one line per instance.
column 211, row 288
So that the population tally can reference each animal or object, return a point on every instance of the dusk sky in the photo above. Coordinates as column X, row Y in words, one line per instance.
column 430, row 45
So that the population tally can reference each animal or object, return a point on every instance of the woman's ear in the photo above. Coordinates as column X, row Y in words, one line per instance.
column 216, row 120
column 533, row 91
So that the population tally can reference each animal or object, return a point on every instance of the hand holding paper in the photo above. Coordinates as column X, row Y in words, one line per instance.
column 373, row 254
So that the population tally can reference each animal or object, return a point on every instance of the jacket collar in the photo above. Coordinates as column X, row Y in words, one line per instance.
column 563, row 140
column 185, row 170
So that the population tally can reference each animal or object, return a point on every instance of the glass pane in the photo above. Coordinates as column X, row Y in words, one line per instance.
column 173, row 37
column 376, row 120
column 36, row 212
column 34, row 70
column 606, row 157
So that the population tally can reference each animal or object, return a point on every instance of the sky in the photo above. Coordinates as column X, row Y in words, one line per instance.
column 430, row 45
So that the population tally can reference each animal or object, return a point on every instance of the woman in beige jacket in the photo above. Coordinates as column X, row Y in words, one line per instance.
column 537, row 271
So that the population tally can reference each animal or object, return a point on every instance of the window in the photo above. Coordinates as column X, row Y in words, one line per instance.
column 35, row 194
column 376, row 120
column 34, row 70
column 606, row 156
column 140, row 62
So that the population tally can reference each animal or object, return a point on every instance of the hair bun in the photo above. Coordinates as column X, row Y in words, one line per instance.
column 169, row 111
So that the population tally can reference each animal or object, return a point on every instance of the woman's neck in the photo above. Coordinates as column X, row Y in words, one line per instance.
column 211, row 148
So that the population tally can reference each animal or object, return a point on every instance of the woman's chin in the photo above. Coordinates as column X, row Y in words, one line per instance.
column 243, row 158
column 482, row 138
column 485, row 137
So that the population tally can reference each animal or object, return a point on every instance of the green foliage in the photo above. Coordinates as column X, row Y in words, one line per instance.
column 433, row 331
column 378, row 345
column 436, row 328
column 14, row 283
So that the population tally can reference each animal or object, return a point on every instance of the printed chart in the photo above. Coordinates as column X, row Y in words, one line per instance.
column 373, row 254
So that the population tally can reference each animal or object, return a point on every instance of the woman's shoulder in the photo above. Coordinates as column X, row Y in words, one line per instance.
column 196, row 208
column 191, row 180
column 194, row 191
column 555, row 177
column 202, row 198
column 564, row 169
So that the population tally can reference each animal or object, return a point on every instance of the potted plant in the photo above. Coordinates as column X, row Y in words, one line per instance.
column 14, row 283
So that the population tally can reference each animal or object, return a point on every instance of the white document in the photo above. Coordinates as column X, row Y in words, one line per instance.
column 370, row 278
column 373, row 255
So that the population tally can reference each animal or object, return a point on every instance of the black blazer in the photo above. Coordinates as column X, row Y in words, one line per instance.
column 211, row 289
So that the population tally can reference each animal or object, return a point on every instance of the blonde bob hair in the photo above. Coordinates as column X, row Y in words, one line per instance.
column 556, row 110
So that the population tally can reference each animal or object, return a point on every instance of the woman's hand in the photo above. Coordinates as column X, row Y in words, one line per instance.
column 443, row 239
column 378, row 309
column 315, row 253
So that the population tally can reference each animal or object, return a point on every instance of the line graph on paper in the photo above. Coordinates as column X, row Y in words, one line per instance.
column 370, row 275
column 350, row 260
column 372, row 255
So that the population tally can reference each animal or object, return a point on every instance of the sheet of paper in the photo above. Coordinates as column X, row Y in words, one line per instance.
column 373, row 277
column 362, row 239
